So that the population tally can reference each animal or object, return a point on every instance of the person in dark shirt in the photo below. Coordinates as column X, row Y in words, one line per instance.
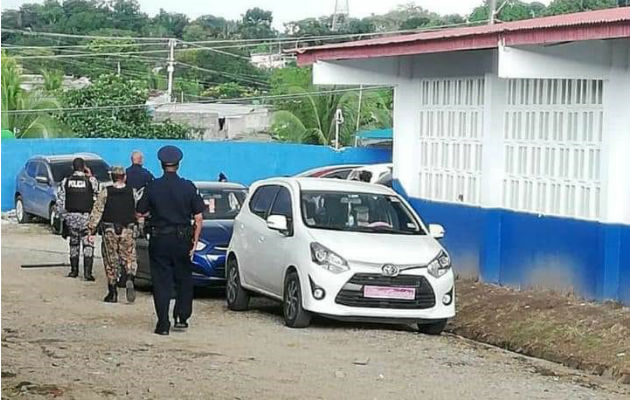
column 172, row 202
column 137, row 175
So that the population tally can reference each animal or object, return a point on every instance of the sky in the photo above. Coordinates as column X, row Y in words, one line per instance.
column 286, row 10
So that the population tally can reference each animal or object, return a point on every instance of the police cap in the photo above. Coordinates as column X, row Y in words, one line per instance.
column 170, row 155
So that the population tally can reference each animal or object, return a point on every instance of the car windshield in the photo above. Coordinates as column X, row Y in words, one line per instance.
column 222, row 203
column 358, row 212
column 62, row 169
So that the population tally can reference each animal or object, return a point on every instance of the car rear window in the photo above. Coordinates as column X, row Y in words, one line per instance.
column 62, row 169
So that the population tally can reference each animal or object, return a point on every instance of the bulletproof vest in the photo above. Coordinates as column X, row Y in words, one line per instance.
column 120, row 207
column 79, row 194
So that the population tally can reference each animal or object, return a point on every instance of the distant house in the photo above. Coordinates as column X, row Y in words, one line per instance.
column 269, row 60
column 218, row 121
column 34, row 81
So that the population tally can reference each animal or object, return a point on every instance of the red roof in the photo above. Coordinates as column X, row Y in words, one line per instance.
column 601, row 24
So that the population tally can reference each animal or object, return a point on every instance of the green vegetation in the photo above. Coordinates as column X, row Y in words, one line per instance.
column 129, row 68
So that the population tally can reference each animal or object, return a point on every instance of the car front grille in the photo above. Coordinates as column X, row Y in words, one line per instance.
column 352, row 293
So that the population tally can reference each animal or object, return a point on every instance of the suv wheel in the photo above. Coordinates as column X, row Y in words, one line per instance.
column 237, row 297
column 295, row 316
column 55, row 222
column 22, row 216
column 433, row 328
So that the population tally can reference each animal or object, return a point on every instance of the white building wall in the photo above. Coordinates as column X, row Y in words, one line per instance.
column 546, row 131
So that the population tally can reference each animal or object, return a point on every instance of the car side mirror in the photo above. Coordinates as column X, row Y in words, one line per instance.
column 41, row 179
column 278, row 223
column 436, row 231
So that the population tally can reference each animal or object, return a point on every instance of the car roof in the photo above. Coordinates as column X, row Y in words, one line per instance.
column 376, row 167
column 341, row 185
column 218, row 185
column 327, row 168
column 67, row 157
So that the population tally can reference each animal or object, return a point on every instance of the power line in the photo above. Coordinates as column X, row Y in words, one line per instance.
column 213, row 71
column 69, row 35
column 214, row 101
column 90, row 54
column 82, row 46
column 215, row 50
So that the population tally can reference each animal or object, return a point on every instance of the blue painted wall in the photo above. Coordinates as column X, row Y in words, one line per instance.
column 241, row 161
column 524, row 250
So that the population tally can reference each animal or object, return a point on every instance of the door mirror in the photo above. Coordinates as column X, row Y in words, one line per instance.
column 41, row 179
column 436, row 231
column 278, row 223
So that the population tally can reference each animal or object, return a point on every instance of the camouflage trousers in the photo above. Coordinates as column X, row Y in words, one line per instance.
column 79, row 235
column 118, row 249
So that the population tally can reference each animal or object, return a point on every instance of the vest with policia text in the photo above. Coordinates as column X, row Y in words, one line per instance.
column 79, row 194
column 120, row 207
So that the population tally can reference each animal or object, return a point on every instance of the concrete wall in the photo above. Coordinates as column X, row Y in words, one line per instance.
column 241, row 162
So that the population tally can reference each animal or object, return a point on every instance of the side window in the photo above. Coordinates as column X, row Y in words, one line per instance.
column 282, row 205
column 262, row 199
column 42, row 170
column 31, row 169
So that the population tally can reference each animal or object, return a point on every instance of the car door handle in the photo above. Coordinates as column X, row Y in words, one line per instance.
column 261, row 239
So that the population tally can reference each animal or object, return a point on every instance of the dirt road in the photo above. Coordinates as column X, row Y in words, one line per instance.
column 60, row 340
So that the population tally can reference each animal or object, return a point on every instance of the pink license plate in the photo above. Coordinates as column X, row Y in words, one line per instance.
column 384, row 292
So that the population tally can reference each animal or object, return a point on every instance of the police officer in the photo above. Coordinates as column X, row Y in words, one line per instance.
column 137, row 175
column 115, row 208
column 75, row 199
column 172, row 202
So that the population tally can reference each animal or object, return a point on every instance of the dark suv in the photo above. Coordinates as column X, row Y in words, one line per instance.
column 37, row 183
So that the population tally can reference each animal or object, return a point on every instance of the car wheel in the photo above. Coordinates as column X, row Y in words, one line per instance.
column 22, row 216
column 237, row 297
column 295, row 316
column 55, row 222
column 433, row 328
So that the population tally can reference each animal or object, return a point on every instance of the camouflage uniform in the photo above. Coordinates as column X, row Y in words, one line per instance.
column 77, row 224
column 116, row 247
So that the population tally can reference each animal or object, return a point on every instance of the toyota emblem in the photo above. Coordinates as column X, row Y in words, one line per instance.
column 390, row 270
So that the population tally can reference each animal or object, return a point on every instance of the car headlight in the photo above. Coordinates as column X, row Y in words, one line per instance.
column 328, row 259
column 440, row 265
column 200, row 246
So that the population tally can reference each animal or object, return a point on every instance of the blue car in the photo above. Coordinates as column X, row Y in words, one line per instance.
column 37, row 183
column 223, row 202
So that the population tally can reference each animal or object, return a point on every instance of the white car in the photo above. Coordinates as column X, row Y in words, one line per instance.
column 341, row 249
column 375, row 173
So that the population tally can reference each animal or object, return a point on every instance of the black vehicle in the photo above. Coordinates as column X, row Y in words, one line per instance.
column 38, row 181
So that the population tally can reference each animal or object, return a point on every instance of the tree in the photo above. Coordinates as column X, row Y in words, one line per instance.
column 36, row 119
column 309, row 116
column 229, row 90
column 52, row 79
column 115, row 108
column 256, row 24
column 570, row 6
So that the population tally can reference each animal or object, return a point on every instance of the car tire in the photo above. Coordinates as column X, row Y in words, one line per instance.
column 295, row 316
column 55, row 221
column 22, row 216
column 433, row 328
column 237, row 297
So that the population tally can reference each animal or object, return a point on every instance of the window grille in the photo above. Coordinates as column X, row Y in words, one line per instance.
column 451, row 130
column 553, row 134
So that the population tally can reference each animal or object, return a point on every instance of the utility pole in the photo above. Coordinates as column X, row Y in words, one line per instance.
column 356, row 132
column 492, row 5
column 118, row 68
column 340, row 16
column 170, row 69
column 338, row 122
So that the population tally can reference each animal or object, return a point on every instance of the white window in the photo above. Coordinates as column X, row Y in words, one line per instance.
column 450, row 134
column 553, row 134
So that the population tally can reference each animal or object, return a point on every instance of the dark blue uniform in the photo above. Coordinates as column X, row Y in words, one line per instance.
column 172, row 202
column 138, row 176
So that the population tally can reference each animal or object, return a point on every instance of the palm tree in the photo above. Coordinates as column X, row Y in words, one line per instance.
column 311, row 118
column 38, row 122
column 52, row 79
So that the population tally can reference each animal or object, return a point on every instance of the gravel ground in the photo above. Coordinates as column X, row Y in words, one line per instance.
column 60, row 340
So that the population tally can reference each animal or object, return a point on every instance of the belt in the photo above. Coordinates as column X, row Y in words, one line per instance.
column 168, row 230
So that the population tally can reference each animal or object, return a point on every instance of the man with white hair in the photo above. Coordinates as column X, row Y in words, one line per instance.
column 137, row 175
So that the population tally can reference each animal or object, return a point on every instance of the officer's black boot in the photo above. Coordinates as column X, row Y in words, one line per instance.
column 74, row 267
column 112, row 294
column 87, row 268
column 131, row 290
